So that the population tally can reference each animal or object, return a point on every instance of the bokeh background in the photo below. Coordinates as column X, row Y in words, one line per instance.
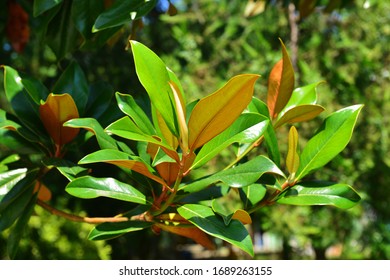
column 206, row 43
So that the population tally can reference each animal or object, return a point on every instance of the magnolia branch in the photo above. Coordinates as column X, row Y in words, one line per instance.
column 75, row 218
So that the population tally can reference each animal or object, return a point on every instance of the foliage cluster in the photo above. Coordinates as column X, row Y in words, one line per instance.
column 165, row 139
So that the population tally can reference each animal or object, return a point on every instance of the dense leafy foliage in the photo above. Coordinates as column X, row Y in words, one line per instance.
column 155, row 150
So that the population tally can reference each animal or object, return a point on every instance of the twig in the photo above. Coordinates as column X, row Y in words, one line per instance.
column 75, row 218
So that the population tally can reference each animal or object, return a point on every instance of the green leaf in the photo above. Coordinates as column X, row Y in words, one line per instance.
column 62, row 36
column 84, row 14
column 216, row 112
column 124, row 160
column 9, row 179
column 111, row 230
column 128, row 106
column 121, row 12
column 104, row 140
column 154, row 77
column 332, row 137
column 99, row 100
column 24, row 106
column 89, row 187
column 246, row 129
column 205, row 219
column 302, row 96
column 15, row 201
column 16, row 190
column 127, row 129
column 321, row 193
column 41, row 6
column 300, row 113
column 74, row 82
column 280, row 84
column 240, row 176
column 18, row 230
column 252, row 194
column 272, row 145
column 67, row 168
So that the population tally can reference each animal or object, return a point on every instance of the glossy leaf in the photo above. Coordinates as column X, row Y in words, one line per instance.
column 216, row 112
column 17, row 189
column 321, row 193
column 127, row 129
column 128, row 106
column 61, row 33
column 54, row 112
column 92, row 125
column 154, row 77
column 300, row 113
column 292, row 160
column 21, row 102
column 67, row 168
column 228, row 214
column 205, row 219
column 122, row 159
column 280, row 84
column 99, row 101
column 8, row 179
column 74, row 82
column 240, row 176
column 41, row 6
column 18, row 230
column 332, row 137
column 302, row 96
column 106, row 231
column 121, row 12
column 247, row 128
column 252, row 194
column 163, row 130
column 89, row 187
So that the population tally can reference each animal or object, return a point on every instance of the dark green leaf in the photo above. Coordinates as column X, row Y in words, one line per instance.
column 240, row 176
column 321, row 193
column 18, row 189
column 89, row 187
column 128, row 106
column 15, row 202
column 332, row 137
column 67, row 168
column 205, row 219
column 8, row 180
column 252, row 194
column 99, row 99
column 18, row 230
column 74, row 82
column 111, row 230
column 61, row 35
column 21, row 102
column 41, row 6
column 105, row 141
column 121, row 12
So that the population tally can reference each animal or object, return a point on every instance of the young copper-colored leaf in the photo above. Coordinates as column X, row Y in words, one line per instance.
column 292, row 160
column 216, row 112
column 280, row 84
column 242, row 216
column 58, row 109
column 191, row 232
column 168, row 171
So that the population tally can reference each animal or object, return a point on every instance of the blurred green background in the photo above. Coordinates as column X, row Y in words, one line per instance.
column 205, row 44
